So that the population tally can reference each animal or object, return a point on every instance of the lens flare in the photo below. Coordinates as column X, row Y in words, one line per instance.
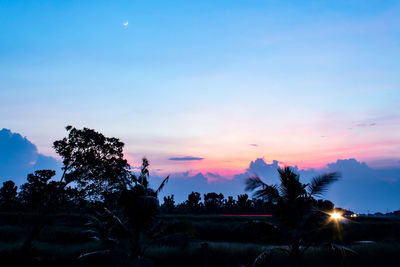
column 336, row 216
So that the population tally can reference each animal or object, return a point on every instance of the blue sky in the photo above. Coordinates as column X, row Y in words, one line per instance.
column 306, row 82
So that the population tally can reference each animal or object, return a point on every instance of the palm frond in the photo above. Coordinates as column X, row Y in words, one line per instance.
column 164, row 182
column 319, row 184
column 268, row 192
column 115, row 220
column 254, row 182
column 290, row 187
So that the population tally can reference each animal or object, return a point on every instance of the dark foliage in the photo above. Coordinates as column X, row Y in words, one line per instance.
column 213, row 202
column 216, row 204
column 8, row 195
column 94, row 162
column 193, row 203
column 124, row 229
column 42, row 194
column 300, row 216
column 169, row 204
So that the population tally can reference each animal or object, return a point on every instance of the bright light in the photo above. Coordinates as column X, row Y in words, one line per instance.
column 354, row 215
column 336, row 216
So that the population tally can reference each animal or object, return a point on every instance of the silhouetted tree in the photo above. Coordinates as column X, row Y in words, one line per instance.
column 8, row 195
column 260, row 206
column 213, row 202
column 243, row 203
column 193, row 202
column 299, row 214
column 43, row 196
column 37, row 192
column 93, row 161
column 230, row 204
column 169, row 204
column 123, row 230
column 139, row 205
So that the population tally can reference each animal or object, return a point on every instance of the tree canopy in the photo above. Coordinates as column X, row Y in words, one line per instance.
column 94, row 162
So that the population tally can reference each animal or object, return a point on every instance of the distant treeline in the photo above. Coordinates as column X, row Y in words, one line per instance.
column 214, row 203
column 40, row 192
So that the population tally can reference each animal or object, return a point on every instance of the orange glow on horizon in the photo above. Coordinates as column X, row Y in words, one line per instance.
column 227, row 161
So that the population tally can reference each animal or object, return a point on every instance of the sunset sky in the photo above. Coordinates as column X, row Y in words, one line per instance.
column 207, row 86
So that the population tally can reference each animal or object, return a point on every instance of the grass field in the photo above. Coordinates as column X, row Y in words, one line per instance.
column 201, row 241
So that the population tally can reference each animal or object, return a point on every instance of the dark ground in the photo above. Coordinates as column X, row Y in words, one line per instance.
column 189, row 240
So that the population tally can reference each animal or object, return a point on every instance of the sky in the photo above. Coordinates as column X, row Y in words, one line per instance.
column 208, row 86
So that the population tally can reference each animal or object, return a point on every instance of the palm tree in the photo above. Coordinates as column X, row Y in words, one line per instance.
column 299, row 215
column 124, row 228
column 140, row 206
